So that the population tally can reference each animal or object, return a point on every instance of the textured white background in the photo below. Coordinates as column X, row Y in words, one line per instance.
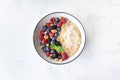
column 100, row 59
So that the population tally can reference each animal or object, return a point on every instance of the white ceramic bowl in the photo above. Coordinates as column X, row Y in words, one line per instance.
column 46, row 19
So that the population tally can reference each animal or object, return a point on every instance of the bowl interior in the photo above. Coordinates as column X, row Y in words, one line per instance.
column 46, row 19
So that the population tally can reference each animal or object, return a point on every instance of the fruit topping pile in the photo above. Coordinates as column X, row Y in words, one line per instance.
column 48, row 39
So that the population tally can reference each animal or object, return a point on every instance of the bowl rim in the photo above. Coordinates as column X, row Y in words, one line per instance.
column 70, row 60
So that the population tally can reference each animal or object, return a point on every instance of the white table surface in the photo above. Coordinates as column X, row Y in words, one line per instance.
column 100, row 59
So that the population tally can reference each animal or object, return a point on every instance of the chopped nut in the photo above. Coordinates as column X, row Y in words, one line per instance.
column 46, row 37
column 57, row 39
column 52, row 31
column 60, row 17
column 47, row 44
column 55, row 30
column 50, row 55
column 60, row 60
column 51, row 24
column 62, row 25
column 40, row 47
column 56, row 59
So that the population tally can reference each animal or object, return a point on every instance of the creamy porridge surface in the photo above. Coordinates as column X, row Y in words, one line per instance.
column 70, row 38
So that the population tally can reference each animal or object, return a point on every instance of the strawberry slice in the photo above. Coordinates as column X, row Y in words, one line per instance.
column 64, row 56
column 63, row 20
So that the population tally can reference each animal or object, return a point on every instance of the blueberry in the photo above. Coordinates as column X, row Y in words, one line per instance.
column 57, row 19
column 59, row 56
column 47, row 30
column 54, row 55
column 58, row 43
column 52, row 42
column 43, row 46
column 58, row 29
column 44, row 50
column 51, row 28
column 47, row 48
column 44, row 27
column 49, row 40
column 41, row 43
column 56, row 34
column 54, row 38
column 55, row 22
column 55, row 26
column 52, row 51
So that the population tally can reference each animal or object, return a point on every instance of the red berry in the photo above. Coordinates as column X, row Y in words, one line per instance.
column 47, row 54
column 51, row 34
column 44, row 41
column 52, row 20
column 63, row 20
column 64, row 56
column 41, row 37
column 42, row 32
column 48, row 25
column 59, row 24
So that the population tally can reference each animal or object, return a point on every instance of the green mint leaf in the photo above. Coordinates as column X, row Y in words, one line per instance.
column 59, row 48
column 53, row 46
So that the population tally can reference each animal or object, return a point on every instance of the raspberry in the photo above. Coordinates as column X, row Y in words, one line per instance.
column 63, row 20
column 48, row 25
column 41, row 37
column 47, row 54
column 51, row 34
column 52, row 20
column 44, row 41
column 42, row 32
column 64, row 56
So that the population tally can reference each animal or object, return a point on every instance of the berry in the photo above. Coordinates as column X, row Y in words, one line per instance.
column 44, row 27
column 44, row 41
column 56, row 34
column 41, row 37
column 55, row 26
column 42, row 32
column 64, row 56
column 47, row 48
column 44, row 50
column 57, row 19
column 43, row 45
column 54, row 55
column 54, row 38
column 47, row 54
column 52, row 51
column 49, row 40
column 47, row 30
column 52, row 20
column 58, row 29
column 51, row 34
column 59, row 24
column 58, row 43
column 48, row 25
column 63, row 20
column 55, row 22
column 59, row 56
column 52, row 42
